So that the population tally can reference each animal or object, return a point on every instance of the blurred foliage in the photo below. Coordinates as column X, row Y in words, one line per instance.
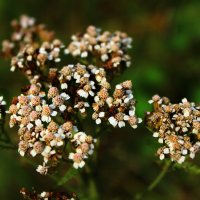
column 165, row 53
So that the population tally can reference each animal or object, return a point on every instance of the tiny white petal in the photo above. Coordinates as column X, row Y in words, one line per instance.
column 64, row 86
column 162, row 156
column 121, row 124
column 98, row 121
column 54, row 113
column 102, row 114
column 62, row 108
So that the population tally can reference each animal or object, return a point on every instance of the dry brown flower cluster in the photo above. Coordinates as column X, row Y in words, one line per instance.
column 109, row 49
column 48, row 110
column 177, row 127
column 50, row 195
column 25, row 31
column 32, row 47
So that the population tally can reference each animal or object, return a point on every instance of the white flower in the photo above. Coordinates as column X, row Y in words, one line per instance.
column 162, row 156
column 181, row 160
column 64, row 86
column 112, row 121
column 46, row 118
column 1, row 101
column 82, row 93
column 121, row 124
column 29, row 126
column 102, row 114
column 62, row 108
column 184, row 151
column 38, row 122
column 33, row 153
column 22, row 153
column 65, row 96
column 98, row 121
column 155, row 134
column 166, row 151
column 84, row 54
column 79, row 165
column 119, row 86
column 104, row 57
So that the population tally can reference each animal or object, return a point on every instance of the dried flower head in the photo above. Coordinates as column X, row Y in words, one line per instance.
column 47, row 195
column 109, row 49
column 25, row 31
column 177, row 127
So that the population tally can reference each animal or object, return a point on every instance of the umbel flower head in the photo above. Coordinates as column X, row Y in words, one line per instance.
column 177, row 127
column 48, row 120
column 109, row 49
column 36, row 114
column 49, row 111
column 46, row 195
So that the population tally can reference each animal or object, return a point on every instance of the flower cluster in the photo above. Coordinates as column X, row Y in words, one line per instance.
column 32, row 59
column 109, row 49
column 2, row 107
column 25, row 31
column 36, row 113
column 47, row 195
column 32, row 48
column 118, row 109
column 84, row 146
column 177, row 127
column 49, row 111
column 47, row 120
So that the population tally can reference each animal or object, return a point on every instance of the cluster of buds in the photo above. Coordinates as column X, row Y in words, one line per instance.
column 36, row 113
column 47, row 195
column 109, row 49
column 177, row 127
column 2, row 107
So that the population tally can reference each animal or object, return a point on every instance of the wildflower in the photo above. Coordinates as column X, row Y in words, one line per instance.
column 176, row 126
column 45, row 195
column 109, row 48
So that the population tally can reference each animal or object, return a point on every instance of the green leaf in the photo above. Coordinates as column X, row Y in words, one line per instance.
column 68, row 175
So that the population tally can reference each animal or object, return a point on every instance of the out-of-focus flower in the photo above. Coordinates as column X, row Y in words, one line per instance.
column 47, row 195
column 177, row 127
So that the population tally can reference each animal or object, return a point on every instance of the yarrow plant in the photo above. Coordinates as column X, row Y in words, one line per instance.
column 177, row 127
column 60, row 97
column 49, row 110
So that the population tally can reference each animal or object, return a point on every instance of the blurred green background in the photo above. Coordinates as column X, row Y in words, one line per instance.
column 166, row 49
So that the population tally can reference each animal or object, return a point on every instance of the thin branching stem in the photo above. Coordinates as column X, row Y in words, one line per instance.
column 160, row 176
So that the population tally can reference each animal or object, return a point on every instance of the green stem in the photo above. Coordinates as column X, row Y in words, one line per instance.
column 157, row 180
